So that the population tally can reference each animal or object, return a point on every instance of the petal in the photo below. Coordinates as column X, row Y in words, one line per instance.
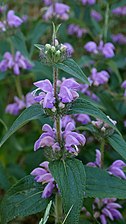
column 48, row 190
column 44, row 85
column 106, row 212
column 38, row 171
column 71, row 84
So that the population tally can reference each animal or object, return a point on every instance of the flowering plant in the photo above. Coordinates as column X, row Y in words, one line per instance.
column 75, row 110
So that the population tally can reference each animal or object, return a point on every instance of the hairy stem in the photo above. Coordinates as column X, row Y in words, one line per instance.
column 18, row 86
column 102, row 152
column 55, row 78
column 58, row 209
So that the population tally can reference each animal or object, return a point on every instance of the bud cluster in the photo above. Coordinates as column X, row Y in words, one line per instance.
column 103, row 127
column 54, row 53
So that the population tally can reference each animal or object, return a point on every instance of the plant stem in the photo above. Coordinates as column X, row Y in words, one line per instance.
column 55, row 78
column 18, row 87
column 58, row 209
column 102, row 152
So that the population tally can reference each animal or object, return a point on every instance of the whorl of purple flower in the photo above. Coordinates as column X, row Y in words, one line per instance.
column 13, row 20
column 119, row 38
column 96, row 15
column 59, row 10
column 99, row 78
column 70, row 138
column 124, row 87
column 15, row 62
column 67, row 92
column 43, row 175
column 107, row 49
column 120, row 11
column 76, row 30
column 47, row 2
column 90, row 2
column 115, row 169
column 69, row 50
column 19, row 104
column 106, row 209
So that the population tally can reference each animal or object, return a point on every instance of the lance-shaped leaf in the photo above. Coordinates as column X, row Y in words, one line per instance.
column 103, row 185
column 83, row 106
column 31, row 113
column 23, row 199
column 71, row 67
column 118, row 143
column 70, row 177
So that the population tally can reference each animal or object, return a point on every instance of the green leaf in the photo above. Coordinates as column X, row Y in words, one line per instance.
column 4, row 182
column 70, row 177
column 19, row 43
column 23, row 199
column 118, row 4
column 103, row 185
column 114, row 68
column 46, row 215
column 81, row 106
column 72, row 68
column 31, row 113
column 118, row 143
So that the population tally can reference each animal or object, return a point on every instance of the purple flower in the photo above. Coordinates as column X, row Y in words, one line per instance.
column 59, row 10
column 124, row 86
column 15, row 107
column 119, row 38
column 70, row 49
column 73, row 139
column 47, row 2
column 91, row 47
column 97, row 162
column 120, row 11
column 19, row 104
column 116, row 169
column 84, row 88
column 70, row 138
column 83, row 118
column 46, row 97
column 105, row 209
column 90, row 2
column 96, row 15
column 99, row 78
column 14, row 62
column 107, row 49
column 13, row 20
column 68, row 90
column 43, row 175
column 76, row 30
column 66, row 119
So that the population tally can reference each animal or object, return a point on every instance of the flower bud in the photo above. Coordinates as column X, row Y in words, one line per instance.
column 56, row 42
column 53, row 49
column 48, row 46
column 53, row 109
column 61, row 105
column 63, row 48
